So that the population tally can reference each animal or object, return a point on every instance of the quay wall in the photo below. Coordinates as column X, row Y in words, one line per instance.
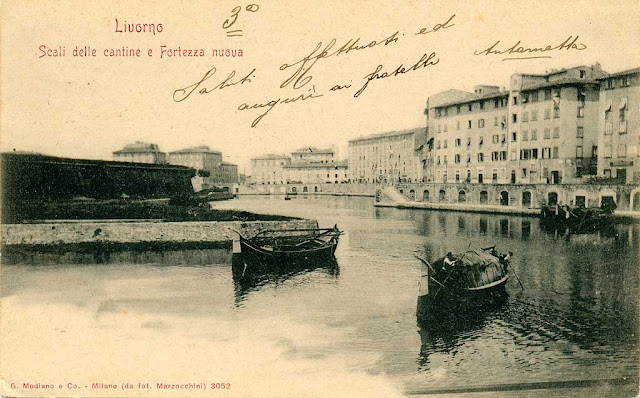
column 523, row 196
column 123, row 232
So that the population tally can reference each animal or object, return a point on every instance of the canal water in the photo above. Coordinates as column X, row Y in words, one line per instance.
column 342, row 330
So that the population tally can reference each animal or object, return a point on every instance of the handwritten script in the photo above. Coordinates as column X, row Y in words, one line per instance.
column 518, row 51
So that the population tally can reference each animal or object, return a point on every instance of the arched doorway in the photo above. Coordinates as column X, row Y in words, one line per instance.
column 504, row 198
column 526, row 199
column 425, row 196
column 442, row 195
column 294, row 189
column 412, row 194
column 315, row 189
column 462, row 196
column 484, row 197
column 305, row 190
column 552, row 198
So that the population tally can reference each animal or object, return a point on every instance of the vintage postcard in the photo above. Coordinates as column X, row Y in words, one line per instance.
column 319, row 198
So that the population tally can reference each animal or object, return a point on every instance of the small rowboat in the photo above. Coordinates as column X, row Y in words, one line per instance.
column 462, row 281
column 284, row 247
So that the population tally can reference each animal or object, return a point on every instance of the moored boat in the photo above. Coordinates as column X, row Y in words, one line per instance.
column 463, row 281
column 283, row 247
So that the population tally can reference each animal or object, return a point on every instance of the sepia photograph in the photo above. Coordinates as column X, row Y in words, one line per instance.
column 217, row 198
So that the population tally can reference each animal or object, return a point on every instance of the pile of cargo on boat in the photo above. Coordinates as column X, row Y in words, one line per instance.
column 461, row 281
column 575, row 216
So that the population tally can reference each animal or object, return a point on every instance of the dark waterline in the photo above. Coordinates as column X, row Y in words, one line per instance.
column 576, row 318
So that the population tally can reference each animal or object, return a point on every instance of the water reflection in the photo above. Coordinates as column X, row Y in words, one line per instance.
column 248, row 278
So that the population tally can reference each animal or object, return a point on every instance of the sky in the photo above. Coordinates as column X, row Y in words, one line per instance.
column 88, row 107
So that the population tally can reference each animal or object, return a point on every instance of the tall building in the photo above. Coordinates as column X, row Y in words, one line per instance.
column 543, row 130
column 218, row 173
column 619, row 127
column 269, row 169
column 386, row 158
column 470, row 137
column 140, row 152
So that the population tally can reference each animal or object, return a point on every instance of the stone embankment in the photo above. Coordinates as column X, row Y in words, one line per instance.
column 131, row 234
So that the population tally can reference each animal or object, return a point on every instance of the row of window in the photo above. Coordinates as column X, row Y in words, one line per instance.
column 471, row 107
column 525, row 154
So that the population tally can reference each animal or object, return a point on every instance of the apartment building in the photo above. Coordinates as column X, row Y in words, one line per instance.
column 218, row 173
column 269, row 169
column 386, row 158
column 470, row 137
column 544, row 129
column 313, row 154
column 619, row 127
column 319, row 172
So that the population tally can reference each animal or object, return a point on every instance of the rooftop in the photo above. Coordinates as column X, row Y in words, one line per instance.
column 389, row 134
column 473, row 98
column 139, row 147
column 196, row 149
column 623, row 73
column 560, row 82
column 312, row 150
column 270, row 156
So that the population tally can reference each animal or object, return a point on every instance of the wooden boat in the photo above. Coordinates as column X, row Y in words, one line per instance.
column 575, row 216
column 283, row 247
column 462, row 281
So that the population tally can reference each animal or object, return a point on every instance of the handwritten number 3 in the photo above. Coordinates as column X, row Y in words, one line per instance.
column 234, row 14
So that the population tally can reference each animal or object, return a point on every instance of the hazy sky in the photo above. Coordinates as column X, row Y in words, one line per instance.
column 89, row 107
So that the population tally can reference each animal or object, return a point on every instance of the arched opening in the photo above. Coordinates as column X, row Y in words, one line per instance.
column 294, row 189
column 526, row 199
column 462, row 196
column 484, row 197
column 305, row 190
column 412, row 195
column 552, row 198
column 425, row 196
column 442, row 195
column 315, row 189
column 504, row 198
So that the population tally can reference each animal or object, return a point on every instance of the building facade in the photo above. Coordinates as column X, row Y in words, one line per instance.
column 140, row 152
column 217, row 173
column 543, row 130
column 386, row 158
column 269, row 169
column 619, row 125
column 312, row 154
column 317, row 172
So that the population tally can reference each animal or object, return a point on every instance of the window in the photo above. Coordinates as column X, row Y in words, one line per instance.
column 457, row 158
column 481, row 105
column 514, row 118
column 514, row 136
column 446, row 128
column 494, row 156
column 496, row 103
column 503, row 155
column 457, row 175
column 580, row 112
column 556, row 111
column 525, row 135
column 469, row 124
column 534, row 116
column 438, row 162
column 515, row 100
column 556, row 132
column 458, row 125
column 495, row 121
column 547, row 113
column 556, row 92
column 609, row 83
column 525, row 97
column 438, row 112
column 504, row 138
column 525, row 117
column 444, row 159
column 470, row 107
column 547, row 94
column 580, row 132
column 582, row 74
column 555, row 152
column 623, row 113
column 481, row 141
column 458, row 109
column 438, row 145
column 480, row 157
column 457, row 142
column 579, row 151
column 468, row 141
column 534, row 135
column 481, row 123
column 546, row 153
column 445, row 143
column 547, row 134
column 624, row 81
column 622, row 150
column 496, row 138
column 534, row 96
